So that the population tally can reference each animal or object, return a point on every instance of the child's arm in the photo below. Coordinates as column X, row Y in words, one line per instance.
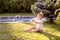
column 34, row 22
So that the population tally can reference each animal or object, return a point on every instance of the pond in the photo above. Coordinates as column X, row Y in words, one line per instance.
column 25, row 19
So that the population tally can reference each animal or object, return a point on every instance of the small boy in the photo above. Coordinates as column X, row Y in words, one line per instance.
column 37, row 23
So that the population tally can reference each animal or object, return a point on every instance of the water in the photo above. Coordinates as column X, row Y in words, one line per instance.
column 15, row 19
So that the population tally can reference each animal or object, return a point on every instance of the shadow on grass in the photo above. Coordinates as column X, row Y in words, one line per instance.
column 55, row 26
column 7, row 32
column 50, row 36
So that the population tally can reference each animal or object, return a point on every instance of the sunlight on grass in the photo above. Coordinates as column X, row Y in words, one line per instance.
column 15, row 31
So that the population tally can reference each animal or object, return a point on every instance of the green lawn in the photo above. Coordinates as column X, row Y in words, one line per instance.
column 15, row 31
column 14, row 14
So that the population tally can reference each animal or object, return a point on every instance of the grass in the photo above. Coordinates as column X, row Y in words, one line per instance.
column 14, row 14
column 15, row 31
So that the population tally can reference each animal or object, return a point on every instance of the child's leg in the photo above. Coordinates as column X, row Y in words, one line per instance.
column 37, row 29
column 29, row 30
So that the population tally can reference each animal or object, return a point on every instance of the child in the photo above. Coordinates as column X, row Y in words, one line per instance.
column 37, row 23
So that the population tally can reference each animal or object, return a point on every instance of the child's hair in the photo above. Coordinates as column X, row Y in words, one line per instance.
column 42, row 14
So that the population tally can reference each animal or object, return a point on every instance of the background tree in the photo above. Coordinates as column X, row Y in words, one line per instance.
column 15, row 6
column 48, row 7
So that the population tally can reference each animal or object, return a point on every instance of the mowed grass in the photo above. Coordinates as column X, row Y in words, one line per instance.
column 15, row 14
column 15, row 31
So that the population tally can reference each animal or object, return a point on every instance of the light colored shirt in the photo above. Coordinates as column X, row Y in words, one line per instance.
column 39, row 22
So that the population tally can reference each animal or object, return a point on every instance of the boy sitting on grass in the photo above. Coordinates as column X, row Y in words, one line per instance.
column 37, row 23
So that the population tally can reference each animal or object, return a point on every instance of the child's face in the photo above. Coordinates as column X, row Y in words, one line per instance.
column 40, row 15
